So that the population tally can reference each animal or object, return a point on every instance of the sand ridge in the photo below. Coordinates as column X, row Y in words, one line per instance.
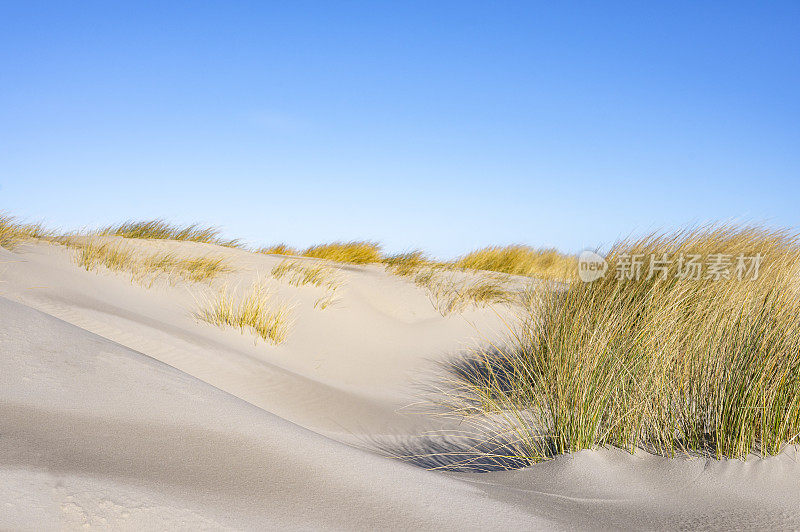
column 120, row 409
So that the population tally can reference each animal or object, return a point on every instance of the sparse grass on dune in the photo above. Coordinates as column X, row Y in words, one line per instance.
column 482, row 291
column 449, row 294
column 12, row 232
column 520, row 260
column 488, row 290
column 162, row 230
column 92, row 254
column 320, row 275
column 195, row 269
column 407, row 264
column 278, row 249
column 354, row 252
column 299, row 274
column 255, row 311
column 669, row 364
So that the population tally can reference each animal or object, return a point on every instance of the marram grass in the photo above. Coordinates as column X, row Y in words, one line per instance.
column 354, row 252
column 324, row 276
column 93, row 253
column 297, row 273
column 13, row 232
column 448, row 293
column 520, row 260
column 277, row 249
column 407, row 264
column 668, row 364
column 162, row 230
column 255, row 311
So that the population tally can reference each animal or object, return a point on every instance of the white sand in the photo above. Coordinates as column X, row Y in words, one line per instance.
column 119, row 410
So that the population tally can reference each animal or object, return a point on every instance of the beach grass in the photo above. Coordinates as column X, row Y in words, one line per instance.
column 255, row 311
column 353, row 252
column 278, row 249
column 669, row 363
column 13, row 232
column 92, row 253
column 297, row 273
column 160, row 229
column 520, row 260
column 407, row 264
column 453, row 291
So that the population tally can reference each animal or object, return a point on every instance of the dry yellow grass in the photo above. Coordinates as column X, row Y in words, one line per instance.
column 407, row 264
column 12, row 232
column 255, row 311
column 449, row 293
column 355, row 252
column 323, row 276
column 298, row 273
column 94, row 253
column 195, row 269
column 520, row 260
column 163, row 230
column 666, row 362
column 278, row 249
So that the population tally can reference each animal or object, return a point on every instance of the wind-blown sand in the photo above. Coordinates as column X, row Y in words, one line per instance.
column 119, row 409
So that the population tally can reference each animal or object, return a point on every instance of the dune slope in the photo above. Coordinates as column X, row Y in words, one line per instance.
column 119, row 409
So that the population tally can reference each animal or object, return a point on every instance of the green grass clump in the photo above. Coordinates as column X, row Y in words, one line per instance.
column 520, row 260
column 255, row 311
column 355, row 252
column 162, row 230
column 667, row 363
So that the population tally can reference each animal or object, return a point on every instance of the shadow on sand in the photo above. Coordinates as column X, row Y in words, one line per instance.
column 450, row 393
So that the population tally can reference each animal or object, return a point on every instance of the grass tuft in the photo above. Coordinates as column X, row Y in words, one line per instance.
column 159, row 229
column 194, row 269
column 667, row 363
column 406, row 264
column 320, row 275
column 449, row 293
column 255, row 311
column 278, row 249
column 355, row 252
column 93, row 254
column 299, row 274
column 13, row 232
column 520, row 260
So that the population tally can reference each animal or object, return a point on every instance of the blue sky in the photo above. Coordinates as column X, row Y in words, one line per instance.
column 440, row 125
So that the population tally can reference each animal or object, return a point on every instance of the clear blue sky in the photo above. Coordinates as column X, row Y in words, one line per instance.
column 441, row 125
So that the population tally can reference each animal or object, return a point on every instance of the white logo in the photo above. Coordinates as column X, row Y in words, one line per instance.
column 591, row 266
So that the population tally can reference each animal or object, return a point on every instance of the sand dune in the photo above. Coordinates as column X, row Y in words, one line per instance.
column 120, row 409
